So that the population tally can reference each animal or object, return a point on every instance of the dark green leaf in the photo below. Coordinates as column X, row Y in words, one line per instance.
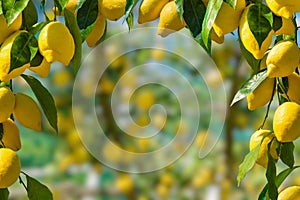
column 232, row 3
column 1, row 131
column 60, row 4
column 130, row 20
column 45, row 99
column 249, row 86
column 253, row 62
column 4, row 193
column 199, row 40
column 87, row 14
column 43, row 6
column 248, row 163
column 12, row 8
column 271, row 176
column 37, row 60
column 73, row 27
column 29, row 15
column 36, row 190
column 277, row 22
column 193, row 14
column 209, row 19
column 37, row 27
column 23, row 50
column 179, row 7
column 287, row 154
column 260, row 20
column 128, row 9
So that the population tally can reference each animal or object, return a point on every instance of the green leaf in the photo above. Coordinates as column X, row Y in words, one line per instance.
column 45, row 99
column 199, row 40
column 4, row 193
column 287, row 154
column 179, row 7
column 249, row 86
column 277, row 22
column 37, row 60
column 253, row 62
column 193, row 14
column 247, row 164
column 232, row 3
column 29, row 15
column 128, row 9
column 36, row 190
column 60, row 4
column 271, row 176
column 209, row 19
column 23, row 50
column 12, row 8
column 37, row 27
column 130, row 20
column 260, row 20
column 74, row 29
column 1, row 11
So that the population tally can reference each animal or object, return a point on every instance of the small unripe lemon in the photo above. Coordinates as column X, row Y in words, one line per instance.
column 11, row 135
column 7, row 103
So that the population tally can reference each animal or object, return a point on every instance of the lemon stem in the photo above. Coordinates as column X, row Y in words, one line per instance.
column 22, row 183
column 269, row 105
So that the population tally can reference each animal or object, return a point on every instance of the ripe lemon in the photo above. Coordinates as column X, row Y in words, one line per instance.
column 5, row 56
column 6, row 31
column 97, row 31
column 145, row 99
column 27, row 112
column 106, row 85
column 294, row 87
column 71, row 6
column 248, row 38
column 216, row 38
column 162, row 191
column 150, row 10
column 255, row 140
column 287, row 27
column 112, row 9
column 284, row 8
column 169, row 20
column 56, row 43
column 7, row 103
column 124, row 183
column 43, row 69
column 283, row 59
column 290, row 193
column 10, row 167
column 228, row 18
column 286, row 122
column 11, row 135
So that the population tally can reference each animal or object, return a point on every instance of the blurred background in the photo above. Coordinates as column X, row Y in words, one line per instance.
column 63, row 164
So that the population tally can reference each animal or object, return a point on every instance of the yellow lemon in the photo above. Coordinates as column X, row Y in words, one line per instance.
column 11, row 135
column 287, row 27
column 290, row 193
column 145, row 99
column 10, row 167
column 294, row 87
column 124, row 183
column 150, row 10
column 162, row 190
column 27, row 112
column 169, row 21
column 62, row 78
column 97, row 32
column 56, row 43
column 216, row 38
column 284, row 8
column 167, row 179
column 42, row 70
column 248, row 38
column 5, row 56
column 5, row 30
column 283, row 59
column 286, row 122
column 7, row 103
column 255, row 140
column 228, row 18
column 106, row 85
column 112, row 9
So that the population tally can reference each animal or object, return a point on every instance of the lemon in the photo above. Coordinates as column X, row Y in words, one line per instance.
column 145, row 99
column 290, row 193
column 27, row 112
column 112, row 9
column 162, row 191
column 283, row 59
column 6, row 31
column 169, row 21
column 294, row 86
column 56, row 43
column 255, row 140
column 97, row 32
column 286, row 122
column 5, row 57
column 284, row 8
column 248, row 38
column 106, row 85
column 167, row 179
column 158, row 54
column 150, row 10
column 10, row 167
column 11, row 135
column 124, row 183
column 43, row 69
column 228, row 18
column 287, row 27
column 62, row 78
column 71, row 6
column 7, row 103
column 216, row 38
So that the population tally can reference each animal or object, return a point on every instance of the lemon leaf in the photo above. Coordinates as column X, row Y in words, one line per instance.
column 23, row 50
column 45, row 99
column 253, row 62
column 1, row 11
column 128, row 9
column 29, row 15
column 74, row 29
column 249, row 86
column 179, row 7
column 209, row 19
column 60, row 4
column 277, row 22
column 287, row 154
column 36, row 190
column 247, row 164
column 271, row 177
column 4, row 193
column 130, row 20
column 37, row 60
column 12, row 8
column 232, row 3
column 37, row 27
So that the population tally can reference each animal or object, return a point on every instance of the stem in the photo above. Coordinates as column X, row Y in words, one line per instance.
column 22, row 183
